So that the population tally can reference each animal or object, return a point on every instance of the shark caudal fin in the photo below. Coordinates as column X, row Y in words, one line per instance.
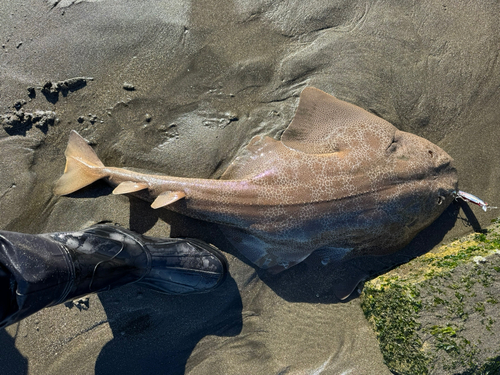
column 82, row 166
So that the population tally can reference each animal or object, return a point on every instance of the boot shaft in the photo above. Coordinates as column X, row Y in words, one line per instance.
column 39, row 273
column 102, row 260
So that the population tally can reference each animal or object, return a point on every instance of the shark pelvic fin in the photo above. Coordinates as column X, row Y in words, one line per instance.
column 82, row 166
column 129, row 187
column 167, row 198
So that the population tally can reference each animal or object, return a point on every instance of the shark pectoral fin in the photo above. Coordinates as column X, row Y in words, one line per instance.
column 129, row 187
column 167, row 198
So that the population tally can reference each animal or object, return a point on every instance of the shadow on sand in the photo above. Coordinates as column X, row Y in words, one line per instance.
column 155, row 333
column 11, row 360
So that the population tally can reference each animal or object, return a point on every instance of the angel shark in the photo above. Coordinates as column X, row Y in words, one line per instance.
column 341, row 180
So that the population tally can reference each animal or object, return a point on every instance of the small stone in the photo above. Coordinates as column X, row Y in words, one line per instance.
column 80, row 119
column 232, row 116
column 19, row 44
column 19, row 104
column 49, row 88
column 479, row 259
column 128, row 86
column 148, row 117
column 31, row 92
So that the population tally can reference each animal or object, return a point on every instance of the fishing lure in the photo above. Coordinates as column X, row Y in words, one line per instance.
column 473, row 199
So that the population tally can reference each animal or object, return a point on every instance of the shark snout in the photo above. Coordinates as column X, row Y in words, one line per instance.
column 429, row 153
column 443, row 163
column 429, row 161
column 445, row 174
column 439, row 157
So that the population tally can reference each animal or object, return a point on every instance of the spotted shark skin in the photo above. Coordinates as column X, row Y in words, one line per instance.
column 340, row 181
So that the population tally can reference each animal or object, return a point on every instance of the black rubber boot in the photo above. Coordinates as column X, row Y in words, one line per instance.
column 38, row 271
column 107, row 256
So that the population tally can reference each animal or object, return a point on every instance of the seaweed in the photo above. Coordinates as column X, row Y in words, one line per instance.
column 424, row 312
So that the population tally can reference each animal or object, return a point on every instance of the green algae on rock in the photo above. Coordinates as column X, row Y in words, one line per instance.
column 439, row 313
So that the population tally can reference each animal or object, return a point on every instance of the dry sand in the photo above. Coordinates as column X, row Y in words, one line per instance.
column 178, row 87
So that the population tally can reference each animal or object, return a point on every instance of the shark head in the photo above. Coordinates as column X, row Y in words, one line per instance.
column 422, row 183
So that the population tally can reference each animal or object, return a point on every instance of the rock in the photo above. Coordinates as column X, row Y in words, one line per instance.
column 31, row 92
column 51, row 89
column 68, row 84
column 439, row 313
column 20, row 122
column 128, row 86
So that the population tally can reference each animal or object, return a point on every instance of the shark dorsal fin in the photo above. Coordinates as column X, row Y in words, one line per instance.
column 321, row 119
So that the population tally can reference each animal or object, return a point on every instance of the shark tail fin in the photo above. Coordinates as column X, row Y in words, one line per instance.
column 82, row 166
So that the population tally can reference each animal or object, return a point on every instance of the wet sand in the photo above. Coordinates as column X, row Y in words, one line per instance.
column 179, row 88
